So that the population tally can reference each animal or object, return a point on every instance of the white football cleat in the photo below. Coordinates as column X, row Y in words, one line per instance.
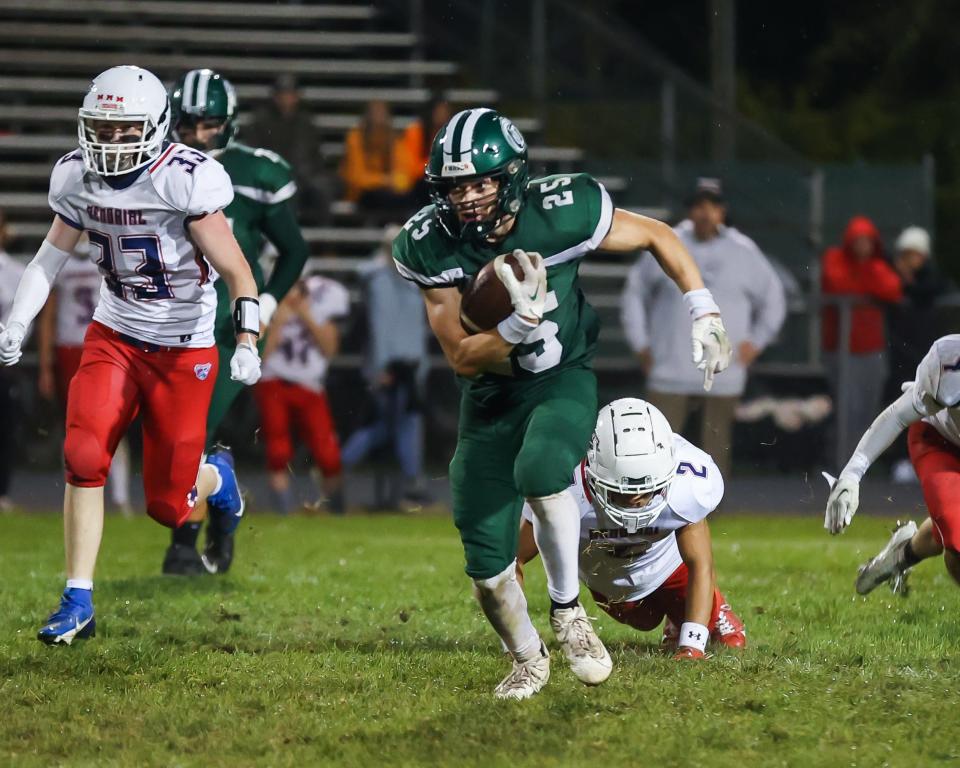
column 887, row 566
column 526, row 678
column 588, row 657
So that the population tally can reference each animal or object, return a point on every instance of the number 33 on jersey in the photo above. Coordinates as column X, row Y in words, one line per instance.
column 153, row 276
column 565, row 218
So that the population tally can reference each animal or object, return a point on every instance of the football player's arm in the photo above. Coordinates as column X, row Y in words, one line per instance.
column 213, row 236
column 325, row 335
column 34, row 288
column 46, row 332
column 526, row 548
column 693, row 541
column 281, row 228
column 467, row 355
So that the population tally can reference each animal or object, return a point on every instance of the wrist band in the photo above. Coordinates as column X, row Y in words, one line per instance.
column 700, row 302
column 246, row 315
column 514, row 329
column 693, row 635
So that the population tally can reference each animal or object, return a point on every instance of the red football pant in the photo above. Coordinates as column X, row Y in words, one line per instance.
column 283, row 403
column 669, row 599
column 172, row 389
column 68, row 361
column 937, row 462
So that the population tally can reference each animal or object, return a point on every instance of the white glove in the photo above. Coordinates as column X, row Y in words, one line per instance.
column 245, row 364
column 268, row 305
column 11, row 341
column 842, row 504
column 528, row 296
column 711, row 347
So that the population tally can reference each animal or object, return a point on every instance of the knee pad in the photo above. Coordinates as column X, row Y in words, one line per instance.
column 86, row 459
column 169, row 513
column 538, row 476
column 492, row 585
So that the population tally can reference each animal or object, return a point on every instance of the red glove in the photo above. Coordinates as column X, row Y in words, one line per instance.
column 685, row 652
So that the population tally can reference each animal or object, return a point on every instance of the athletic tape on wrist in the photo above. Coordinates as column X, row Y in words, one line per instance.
column 693, row 635
column 246, row 315
column 515, row 329
column 700, row 302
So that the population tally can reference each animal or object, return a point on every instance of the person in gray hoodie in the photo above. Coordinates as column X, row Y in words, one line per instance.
column 749, row 293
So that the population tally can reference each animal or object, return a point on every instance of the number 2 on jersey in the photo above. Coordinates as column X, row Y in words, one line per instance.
column 151, row 265
column 557, row 200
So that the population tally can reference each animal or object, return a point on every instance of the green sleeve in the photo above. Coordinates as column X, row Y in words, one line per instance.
column 281, row 228
column 420, row 254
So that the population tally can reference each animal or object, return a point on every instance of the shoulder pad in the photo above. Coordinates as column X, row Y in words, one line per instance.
column 65, row 179
column 420, row 253
column 577, row 207
column 191, row 181
column 273, row 178
column 329, row 295
column 937, row 383
column 698, row 486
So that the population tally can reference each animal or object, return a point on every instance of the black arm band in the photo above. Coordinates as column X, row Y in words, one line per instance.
column 246, row 316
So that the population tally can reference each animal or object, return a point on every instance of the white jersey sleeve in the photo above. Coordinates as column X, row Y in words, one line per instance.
column 937, row 383
column 698, row 487
column 191, row 181
column 65, row 179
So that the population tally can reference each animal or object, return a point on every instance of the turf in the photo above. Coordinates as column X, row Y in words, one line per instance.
column 356, row 642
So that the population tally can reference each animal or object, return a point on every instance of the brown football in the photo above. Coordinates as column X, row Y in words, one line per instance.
column 485, row 301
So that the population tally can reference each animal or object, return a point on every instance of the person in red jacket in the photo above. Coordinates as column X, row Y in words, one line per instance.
column 858, row 269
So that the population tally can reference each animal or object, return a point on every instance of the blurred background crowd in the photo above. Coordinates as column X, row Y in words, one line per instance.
column 829, row 272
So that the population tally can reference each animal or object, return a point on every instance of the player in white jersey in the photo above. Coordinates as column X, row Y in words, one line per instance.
column 153, row 213
column 929, row 409
column 644, row 495
column 61, row 328
column 303, row 339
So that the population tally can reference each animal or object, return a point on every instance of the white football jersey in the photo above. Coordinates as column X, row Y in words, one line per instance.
column 297, row 358
column 11, row 271
column 936, row 389
column 78, row 291
column 623, row 566
column 157, row 286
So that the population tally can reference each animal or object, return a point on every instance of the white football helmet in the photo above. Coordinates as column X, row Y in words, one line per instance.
column 632, row 454
column 128, row 96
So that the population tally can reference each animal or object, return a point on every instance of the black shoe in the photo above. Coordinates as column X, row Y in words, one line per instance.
column 182, row 560
column 218, row 554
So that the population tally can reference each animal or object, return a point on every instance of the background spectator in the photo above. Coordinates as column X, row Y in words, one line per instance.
column 751, row 298
column 302, row 341
column 10, row 272
column 62, row 325
column 375, row 168
column 395, row 368
column 284, row 127
column 418, row 138
column 858, row 269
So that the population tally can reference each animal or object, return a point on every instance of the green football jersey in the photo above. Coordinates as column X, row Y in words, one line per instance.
column 262, row 209
column 566, row 216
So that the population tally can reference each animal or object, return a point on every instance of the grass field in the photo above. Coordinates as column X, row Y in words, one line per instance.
column 356, row 642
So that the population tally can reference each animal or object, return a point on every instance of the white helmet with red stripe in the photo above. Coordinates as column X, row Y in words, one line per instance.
column 123, row 121
column 632, row 454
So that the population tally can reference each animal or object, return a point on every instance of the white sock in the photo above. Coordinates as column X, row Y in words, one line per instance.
column 505, row 607
column 556, row 528
column 119, row 477
column 86, row 584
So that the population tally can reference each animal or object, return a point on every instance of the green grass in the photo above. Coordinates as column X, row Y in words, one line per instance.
column 356, row 642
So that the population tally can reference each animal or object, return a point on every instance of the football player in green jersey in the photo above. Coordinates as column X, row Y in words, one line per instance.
column 204, row 113
column 529, row 396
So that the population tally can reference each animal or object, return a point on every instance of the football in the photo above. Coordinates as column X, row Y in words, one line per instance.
column 485, row 301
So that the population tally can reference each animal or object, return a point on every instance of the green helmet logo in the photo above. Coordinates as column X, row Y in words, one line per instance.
column 476, row 145
column 203, row 95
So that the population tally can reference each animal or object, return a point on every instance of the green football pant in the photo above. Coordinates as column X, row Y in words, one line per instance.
column 225, row 390
column 506, row 455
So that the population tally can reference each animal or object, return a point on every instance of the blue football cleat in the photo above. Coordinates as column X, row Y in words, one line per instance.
column 72, row 621
column 226, row 505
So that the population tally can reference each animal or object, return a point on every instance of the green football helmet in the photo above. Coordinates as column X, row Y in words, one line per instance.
column 204, row 95
column 477, row 144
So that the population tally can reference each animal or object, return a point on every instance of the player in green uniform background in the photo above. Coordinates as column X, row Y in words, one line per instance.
column 204, row 113
column 528, row 393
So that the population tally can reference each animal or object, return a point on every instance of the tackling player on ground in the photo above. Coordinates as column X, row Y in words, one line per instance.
column 153, row 211
column 929, row 409
column 644, row 495
column 529, row 396
column 204, row 107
